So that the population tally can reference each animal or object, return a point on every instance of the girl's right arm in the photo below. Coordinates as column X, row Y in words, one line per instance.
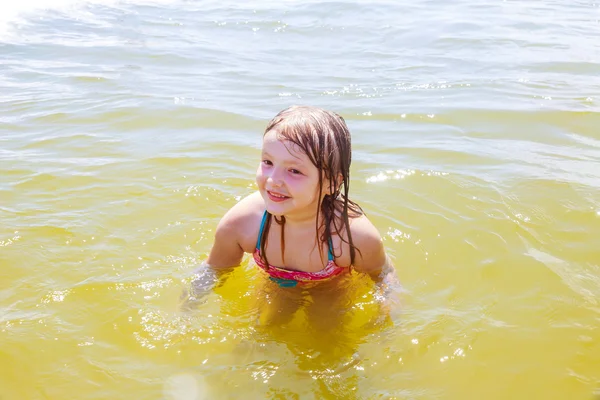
column 227, row 250
column 236, row 232
column 225, row 254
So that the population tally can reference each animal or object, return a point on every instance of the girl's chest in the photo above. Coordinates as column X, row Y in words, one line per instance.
column 300, row 251
column 299, row 254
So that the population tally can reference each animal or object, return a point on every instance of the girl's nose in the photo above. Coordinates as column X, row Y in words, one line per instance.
column 276, row 177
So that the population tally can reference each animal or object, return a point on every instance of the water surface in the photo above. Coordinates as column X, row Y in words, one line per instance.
column 127, row 129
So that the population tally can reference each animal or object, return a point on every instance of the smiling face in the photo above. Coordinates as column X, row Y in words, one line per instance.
column 287, row 179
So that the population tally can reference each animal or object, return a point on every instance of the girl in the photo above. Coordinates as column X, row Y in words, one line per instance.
column 300, row 226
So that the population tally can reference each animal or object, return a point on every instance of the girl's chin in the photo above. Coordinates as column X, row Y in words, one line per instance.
column 279, row 208
column 276, row 209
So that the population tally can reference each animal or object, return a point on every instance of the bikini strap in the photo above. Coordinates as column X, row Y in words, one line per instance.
column 262, row 227
column 330, row 250
column 260, row 232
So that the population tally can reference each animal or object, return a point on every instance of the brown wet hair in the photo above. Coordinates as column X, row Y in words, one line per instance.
column 324, row 137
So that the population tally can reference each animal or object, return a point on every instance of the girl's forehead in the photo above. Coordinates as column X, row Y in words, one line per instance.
column 276, row 146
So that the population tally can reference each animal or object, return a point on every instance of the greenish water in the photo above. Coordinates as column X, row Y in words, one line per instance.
column 127, row 129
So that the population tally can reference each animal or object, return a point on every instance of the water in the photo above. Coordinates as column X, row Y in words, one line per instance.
column 127, row 128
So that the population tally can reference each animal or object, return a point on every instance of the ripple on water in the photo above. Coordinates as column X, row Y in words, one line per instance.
column 129, row 128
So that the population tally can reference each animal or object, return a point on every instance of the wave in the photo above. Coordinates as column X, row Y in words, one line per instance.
column 13, row 14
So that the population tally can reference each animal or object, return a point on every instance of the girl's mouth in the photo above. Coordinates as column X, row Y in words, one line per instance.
column 276, row 197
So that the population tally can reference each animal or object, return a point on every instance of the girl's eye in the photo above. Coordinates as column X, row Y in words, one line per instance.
column 267, row 162
column 295, row 172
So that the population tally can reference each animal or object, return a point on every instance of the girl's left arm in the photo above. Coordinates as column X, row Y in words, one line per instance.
column 371, row 259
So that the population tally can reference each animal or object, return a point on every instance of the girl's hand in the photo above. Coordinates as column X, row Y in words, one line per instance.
column 204, row 281
column 388, row 287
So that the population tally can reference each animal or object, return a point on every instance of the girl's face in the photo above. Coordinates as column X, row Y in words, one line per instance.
column 287, row 179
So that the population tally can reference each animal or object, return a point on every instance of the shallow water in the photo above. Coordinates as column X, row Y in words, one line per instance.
column 127, row 128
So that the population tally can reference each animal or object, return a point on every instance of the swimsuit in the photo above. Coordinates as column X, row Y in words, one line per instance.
column 289, row 278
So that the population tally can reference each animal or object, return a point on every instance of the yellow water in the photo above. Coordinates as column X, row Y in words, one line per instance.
column 127, row 129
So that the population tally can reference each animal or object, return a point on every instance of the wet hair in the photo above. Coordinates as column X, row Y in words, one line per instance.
column 324, row 137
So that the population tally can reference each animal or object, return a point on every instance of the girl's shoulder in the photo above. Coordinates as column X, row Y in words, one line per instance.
column 367, row 240
column 242, row 221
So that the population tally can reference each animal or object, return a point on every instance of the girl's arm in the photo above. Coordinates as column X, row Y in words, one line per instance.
column 226, row 253
column 371, row 259
column 237, row 225
column 387, row 283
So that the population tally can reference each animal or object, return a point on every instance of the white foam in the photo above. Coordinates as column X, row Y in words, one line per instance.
column 17, row 12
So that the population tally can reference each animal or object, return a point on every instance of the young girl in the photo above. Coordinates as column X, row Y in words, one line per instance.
column 300, row 226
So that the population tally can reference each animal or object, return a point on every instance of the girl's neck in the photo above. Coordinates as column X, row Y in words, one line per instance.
column 301, row 221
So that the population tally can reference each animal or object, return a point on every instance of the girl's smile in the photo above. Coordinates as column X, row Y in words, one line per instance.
column 276, row 197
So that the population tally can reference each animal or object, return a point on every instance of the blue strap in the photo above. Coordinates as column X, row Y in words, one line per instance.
column 262, row 227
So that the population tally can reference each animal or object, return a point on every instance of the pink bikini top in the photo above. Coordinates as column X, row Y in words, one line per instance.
column 289, row 278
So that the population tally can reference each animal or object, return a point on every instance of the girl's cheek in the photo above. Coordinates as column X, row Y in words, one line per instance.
column 259, row 176
column 262, row 174
column 260, row 171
